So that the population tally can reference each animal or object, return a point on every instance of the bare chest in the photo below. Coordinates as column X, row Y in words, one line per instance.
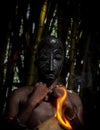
column 41, row 113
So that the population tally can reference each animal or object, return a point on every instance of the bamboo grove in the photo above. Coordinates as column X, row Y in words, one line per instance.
column 76, row 23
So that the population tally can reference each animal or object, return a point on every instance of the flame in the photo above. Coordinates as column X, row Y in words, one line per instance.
column 59, row 110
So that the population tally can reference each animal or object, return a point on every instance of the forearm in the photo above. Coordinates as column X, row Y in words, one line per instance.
column 27, row 111
column 34, row 100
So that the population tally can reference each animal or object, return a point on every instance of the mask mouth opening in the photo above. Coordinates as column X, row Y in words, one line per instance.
column 48, row 80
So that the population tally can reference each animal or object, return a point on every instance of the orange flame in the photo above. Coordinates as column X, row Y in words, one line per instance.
column 59, row 110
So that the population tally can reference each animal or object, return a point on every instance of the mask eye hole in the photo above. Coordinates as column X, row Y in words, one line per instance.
column 58, row 57
column 43, row 58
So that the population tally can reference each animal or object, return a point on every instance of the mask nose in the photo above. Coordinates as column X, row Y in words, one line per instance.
column 51, row 62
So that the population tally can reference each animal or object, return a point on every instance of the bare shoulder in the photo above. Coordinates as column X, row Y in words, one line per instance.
column 72, row 93
column 74, row 97
column 22, row 90
column 20, row 93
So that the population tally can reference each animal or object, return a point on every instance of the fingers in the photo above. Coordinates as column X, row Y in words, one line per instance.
column 40, row 90
column 40, row 84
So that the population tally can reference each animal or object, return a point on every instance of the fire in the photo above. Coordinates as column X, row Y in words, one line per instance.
column 59, row 110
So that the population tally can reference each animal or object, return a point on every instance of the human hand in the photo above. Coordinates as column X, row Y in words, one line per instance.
column 39, row 92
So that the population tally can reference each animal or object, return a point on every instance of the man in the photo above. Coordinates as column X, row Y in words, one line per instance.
column 28, row 107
